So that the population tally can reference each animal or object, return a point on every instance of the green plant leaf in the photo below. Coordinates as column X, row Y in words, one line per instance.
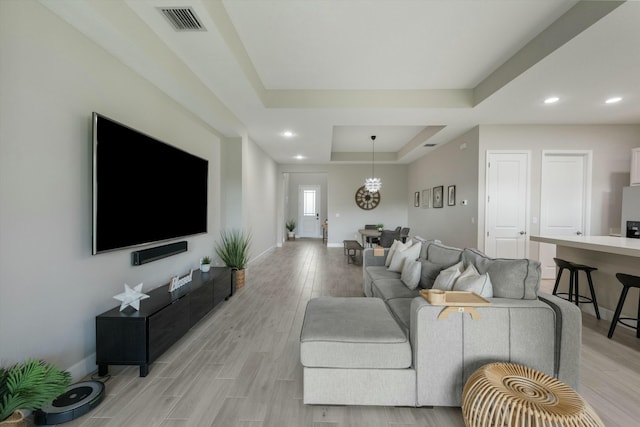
column 233, row 248
column 30, row 385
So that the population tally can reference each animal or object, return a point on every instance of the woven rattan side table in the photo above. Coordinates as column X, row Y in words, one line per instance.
column 506, row 394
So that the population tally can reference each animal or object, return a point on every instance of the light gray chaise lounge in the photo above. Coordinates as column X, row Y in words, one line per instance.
column 390, row 348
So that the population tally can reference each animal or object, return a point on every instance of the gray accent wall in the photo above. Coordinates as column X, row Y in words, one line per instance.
column 51, row 287
column 454, row 163
column 611, row 146
column 231, row 171
column 450, row 164
column 259, row 198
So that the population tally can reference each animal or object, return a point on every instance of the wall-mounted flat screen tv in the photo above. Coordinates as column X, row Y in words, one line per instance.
column 144, row 190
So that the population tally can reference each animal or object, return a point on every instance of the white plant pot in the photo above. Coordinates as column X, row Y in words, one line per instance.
column 292, row 234
column 205, row 267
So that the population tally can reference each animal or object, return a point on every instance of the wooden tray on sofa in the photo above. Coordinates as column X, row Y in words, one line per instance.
column 454, row 298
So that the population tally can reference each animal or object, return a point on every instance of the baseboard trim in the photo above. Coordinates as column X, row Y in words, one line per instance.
column 83, row 368
column 605, row 314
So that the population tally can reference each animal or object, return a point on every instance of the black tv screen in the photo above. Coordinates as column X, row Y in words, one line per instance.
column 144, row 190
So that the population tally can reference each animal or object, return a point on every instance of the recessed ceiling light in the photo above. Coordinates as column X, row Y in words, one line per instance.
column 299, row 157
column 551, row 100
column 613, row 100
column 287, row 134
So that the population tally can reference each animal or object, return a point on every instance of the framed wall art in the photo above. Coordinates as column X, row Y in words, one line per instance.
column 451, row 198
column 426, row 198
column 437, row 196
column 416, row 199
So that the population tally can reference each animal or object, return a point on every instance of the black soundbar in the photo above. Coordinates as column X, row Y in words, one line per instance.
column 152, row 254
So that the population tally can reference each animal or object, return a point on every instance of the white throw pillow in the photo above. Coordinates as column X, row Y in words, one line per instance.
column 411, row 273
column 480, row 284
column 392, row 250
column 411, row 253
column 447, row 277
column 470, row 271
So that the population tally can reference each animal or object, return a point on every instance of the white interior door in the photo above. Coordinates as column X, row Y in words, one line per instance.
column 507, row 204
column 564, row 200
column 309, row 211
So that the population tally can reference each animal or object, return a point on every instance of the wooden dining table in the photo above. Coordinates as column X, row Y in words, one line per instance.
column 368, row 232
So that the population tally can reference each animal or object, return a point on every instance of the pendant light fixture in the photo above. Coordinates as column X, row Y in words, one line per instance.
column 373, row 184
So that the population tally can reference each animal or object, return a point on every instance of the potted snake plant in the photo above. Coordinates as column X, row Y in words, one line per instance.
column 291, row 226
column 233, row 250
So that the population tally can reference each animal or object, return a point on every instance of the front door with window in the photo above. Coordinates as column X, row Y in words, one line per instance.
column 309, row 211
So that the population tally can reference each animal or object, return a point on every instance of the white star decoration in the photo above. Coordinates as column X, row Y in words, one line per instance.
column 131, row 297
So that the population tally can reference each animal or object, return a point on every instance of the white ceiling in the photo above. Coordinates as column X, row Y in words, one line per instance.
column 412, row 72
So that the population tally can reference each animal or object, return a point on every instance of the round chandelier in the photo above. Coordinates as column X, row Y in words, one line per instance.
column 373, row 184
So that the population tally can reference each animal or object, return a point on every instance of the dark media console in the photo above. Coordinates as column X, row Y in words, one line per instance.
column 139, row 337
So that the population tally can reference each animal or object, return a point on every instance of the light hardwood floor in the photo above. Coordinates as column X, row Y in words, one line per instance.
column 240, row 365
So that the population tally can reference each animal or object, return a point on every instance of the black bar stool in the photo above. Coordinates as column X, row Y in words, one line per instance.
column 627, row 281
column 574, row 293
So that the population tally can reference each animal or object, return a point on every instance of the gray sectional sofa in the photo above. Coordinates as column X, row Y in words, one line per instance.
column 390, row 348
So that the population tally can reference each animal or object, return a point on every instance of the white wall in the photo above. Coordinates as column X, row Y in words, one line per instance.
column 248, row 194
column 345, row 217
column 448, row 165
column 51, row 288
column 259, row 198
column 231, row 176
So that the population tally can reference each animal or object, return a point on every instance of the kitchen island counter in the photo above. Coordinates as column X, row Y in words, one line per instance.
column 608, row 244
column 610, row 255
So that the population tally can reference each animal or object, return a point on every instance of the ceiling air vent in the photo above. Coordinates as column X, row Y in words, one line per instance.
column 182, row 18
column 429, row 145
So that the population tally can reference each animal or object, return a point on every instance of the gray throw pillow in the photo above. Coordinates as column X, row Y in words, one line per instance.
column 510, row 278
column 429, row 273
column 445, row 255
column 423, row 250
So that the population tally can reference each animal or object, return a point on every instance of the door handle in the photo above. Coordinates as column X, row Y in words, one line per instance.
column 523, row 233
column 579, row 233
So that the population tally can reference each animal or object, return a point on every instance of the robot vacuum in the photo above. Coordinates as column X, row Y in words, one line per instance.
column 79, row 399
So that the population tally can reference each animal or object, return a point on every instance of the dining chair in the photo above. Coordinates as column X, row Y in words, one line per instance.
column 404, row 234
